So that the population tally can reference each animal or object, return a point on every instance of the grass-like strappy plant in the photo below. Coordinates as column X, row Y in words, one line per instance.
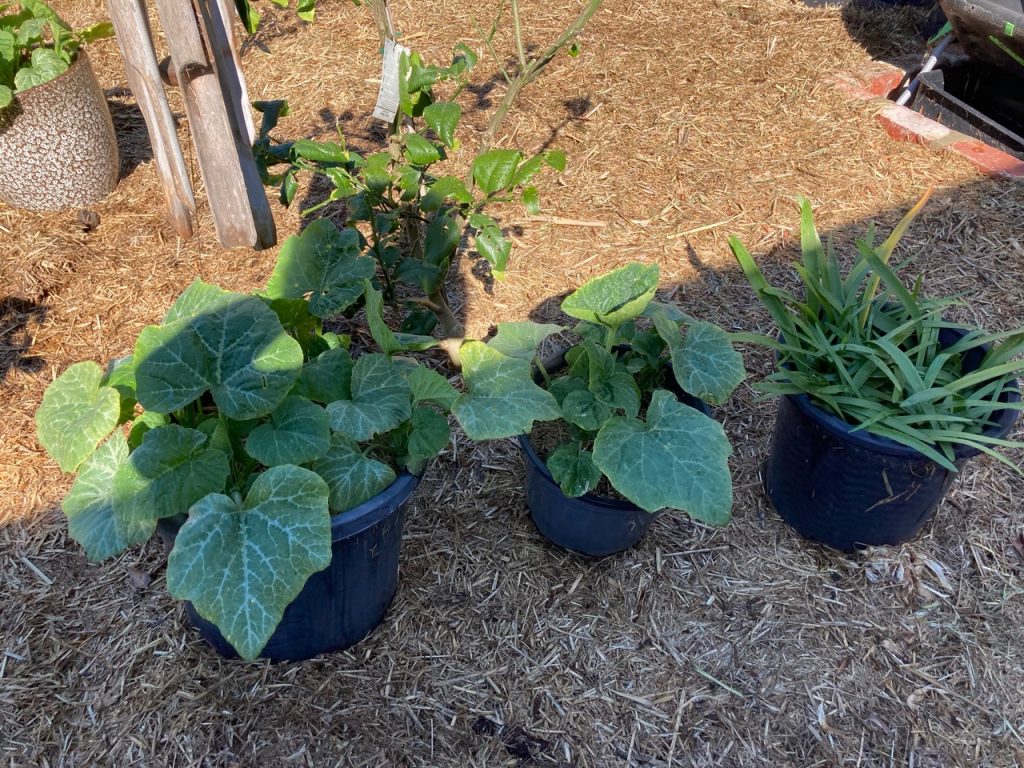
column 879, row 355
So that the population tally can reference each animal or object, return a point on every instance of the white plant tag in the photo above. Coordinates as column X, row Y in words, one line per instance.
column 387, row 97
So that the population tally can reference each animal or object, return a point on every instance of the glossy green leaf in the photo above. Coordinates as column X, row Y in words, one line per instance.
column 381, row 399
column 494, row 247
column 615, row 297
column 76, row 413
column 351, row 476
column 441, row 190
column 501, row 399
column 242, row 563
column 531, row 199
column 419, row 150
column 298, row 433
column 235, row 348
column 442, row 238
column 443, row 118
column 573, row 469
column 556, row 159
column 324, row 263
column 496, row 169
column 678, row 459
column 172, row 469
column 89, row 506
column 704, row 363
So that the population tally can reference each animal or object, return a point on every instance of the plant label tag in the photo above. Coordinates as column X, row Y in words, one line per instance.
column 387, row 98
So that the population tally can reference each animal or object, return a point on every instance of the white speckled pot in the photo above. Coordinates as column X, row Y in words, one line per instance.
column 57, row 144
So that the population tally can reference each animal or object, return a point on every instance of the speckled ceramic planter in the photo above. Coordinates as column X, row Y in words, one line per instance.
column 57, row 144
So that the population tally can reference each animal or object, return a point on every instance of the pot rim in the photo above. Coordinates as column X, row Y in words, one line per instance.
column 590, row 498
column 345, row 524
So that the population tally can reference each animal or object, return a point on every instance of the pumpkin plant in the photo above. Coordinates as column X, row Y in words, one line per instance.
column 36, row 46
column 243, row 415
column 625, row 396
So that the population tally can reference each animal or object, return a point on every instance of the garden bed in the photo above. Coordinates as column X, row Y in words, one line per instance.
column 683, row 122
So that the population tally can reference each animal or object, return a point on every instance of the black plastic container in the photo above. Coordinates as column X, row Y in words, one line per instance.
column 852, row 489
column 977, row 100
column 590, row 525
column 343, row 603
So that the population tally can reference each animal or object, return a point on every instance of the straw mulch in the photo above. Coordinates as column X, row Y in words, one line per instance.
column 684, row 122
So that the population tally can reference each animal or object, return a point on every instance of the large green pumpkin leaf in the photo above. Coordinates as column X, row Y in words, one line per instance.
column 89, row 506
column 241, row 564
column 76, row 413
column 615, row 297
column 298, row 433
column 172, row 469
column 381, row 399
column 234, row 347
column 325, row 263
column 327, row 378
column 678, row 459
column 351, row 476
column 199, row 297
column 521, row 339
column 501, row 399
column 705, row 363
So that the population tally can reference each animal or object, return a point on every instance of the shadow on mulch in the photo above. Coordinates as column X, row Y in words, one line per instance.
column 18, row 319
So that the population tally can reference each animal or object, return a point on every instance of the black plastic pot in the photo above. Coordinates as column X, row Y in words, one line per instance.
column 590, row 525
column 343, row 603
column 852, row 489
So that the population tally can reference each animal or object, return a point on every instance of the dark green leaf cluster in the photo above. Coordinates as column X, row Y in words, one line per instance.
column 870, row 350
column 36, row 46
column 415, row 218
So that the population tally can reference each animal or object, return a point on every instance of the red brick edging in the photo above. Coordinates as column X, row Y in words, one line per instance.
column 876, row 81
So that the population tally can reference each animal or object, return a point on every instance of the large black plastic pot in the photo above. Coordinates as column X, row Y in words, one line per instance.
column 343, row 603
column 590, row 524
column 852, row 489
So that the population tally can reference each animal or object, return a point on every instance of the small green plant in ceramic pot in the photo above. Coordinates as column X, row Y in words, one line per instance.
column 882, row 399
column 277, row 464
column 57, row 142
column 630, row 432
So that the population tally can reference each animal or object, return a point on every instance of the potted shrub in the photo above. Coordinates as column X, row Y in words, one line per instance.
column 261, row 449
column 415, row 215
column 882, row 399
column 57, row 142
column 627, row 412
